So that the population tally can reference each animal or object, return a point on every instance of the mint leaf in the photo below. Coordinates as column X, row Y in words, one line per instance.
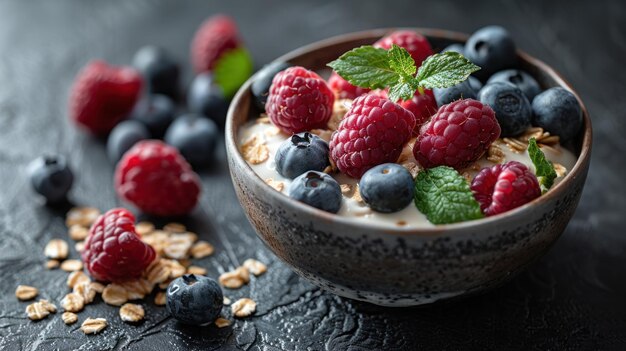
column 232, row 70
column 401, row 61
column 543, row 168
column 444, row 70
column 444, row 196
column 402, row 90
column 366, row 67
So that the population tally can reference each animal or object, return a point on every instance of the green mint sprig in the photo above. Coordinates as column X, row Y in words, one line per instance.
column 444, row 196
column 376, row 68
column 544, row 169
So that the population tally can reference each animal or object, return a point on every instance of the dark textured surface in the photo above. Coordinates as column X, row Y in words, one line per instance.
column 573, row 298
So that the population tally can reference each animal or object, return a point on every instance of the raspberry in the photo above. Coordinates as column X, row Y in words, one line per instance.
column 102, row 95
column 156, row 178
column 416, row 44
column 504, row 187
column 299, row 100
column 215, row 36
column 113, row 250
column 457, row 135
column 372, row 132
column 343, row 89
column 423, row 106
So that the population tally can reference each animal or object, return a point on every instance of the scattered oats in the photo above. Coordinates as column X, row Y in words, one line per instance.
column 114, row 294
column 551, row 140
column 97, row 287
column 495, row 153
column 407, row 152
column 515, row 145
column 174, row 227
column 467, row 176
column 263, row 119
column 272, row 131
column 243, row 307
column 178, row 246
column 143, row 228
column 40, row 310
column 52, row 264
column 357, row 196
column 346, row 189
column 412, row 167
column 83, row 216
column 93, row 325
column 235, row 279
column 201, row 249
column 222, row 322
column 328, row 170
column 25, row 292
column 226, row 301
column 196, row 270
column 255, row 267
column 77, row 277
column 333, row 167
column 158, row 239
column 340, row 108
column 254, row 150
column 72, row 265
column 176, row 269
column 158, row 271
column 131, row 312
column 56, row 249
column 551, row 148
column 73, row 302
column 276, row 184
column 85, row 290
column 160, row 299
column 165, row 284
column 401, row 223
column 69, row 318
column 137, row 289
column 186, row 262
column 533, row 132
column 78, row 232
column 324, row 134
column 559, row 169
column 79, row 246
column 52, row 308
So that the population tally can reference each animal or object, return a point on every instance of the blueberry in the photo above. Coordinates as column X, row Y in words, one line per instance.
column 527, row 84
column 123, row 137
column 195, row 137
column 160, row 71
column 300, row 153
column 194, row 299
column 557, row 111
column 475, row 83
column 455, row 48
column 491, row 48
column 318, row 190
column 156, row 112
column 462, row 90
column 387, row 188
column 51, row 177
column 206, row 98
column 512, row 108
column 263, row 80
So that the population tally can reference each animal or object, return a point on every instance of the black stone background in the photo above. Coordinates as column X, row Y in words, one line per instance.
column 573, row 298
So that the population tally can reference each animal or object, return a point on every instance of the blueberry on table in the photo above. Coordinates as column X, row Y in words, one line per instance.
column 160, row 71
column 512, row 108
column 387, row 188
column 195, row 137
column 194, row 299
column 156, row 112
column 527, row 84
column 206, row 98
column 318, row 190
column 123, row 137
column 455, row 48
column 261, row 86
column 300, row 153
column 492, row 49
column 557, row 110
column 51, row 177
column 462, row 90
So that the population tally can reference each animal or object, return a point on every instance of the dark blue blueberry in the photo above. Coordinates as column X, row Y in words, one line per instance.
column 263, row 80
column 462, row 90
column 51, row 177
column 206, row 98
column 123, row 137
column 513, row 111
column 455, row 48
column 195, row 137
column 160, row 71
column 318, row 190
column 194, row 299
column 527, row 84
column 491, row 48
column 300, row 153
column 475, row 83
column 156, row 112
column 557, row 111
column 387, row 188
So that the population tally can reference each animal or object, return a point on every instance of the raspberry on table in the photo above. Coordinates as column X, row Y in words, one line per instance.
column 215, row 36
column 113, row 250
column 299, row 101
column 102, row 95
column 344, row 89
column 416, row 44
column 458, row 135
column 156, row 178
column 504, row 187
column 372, row 132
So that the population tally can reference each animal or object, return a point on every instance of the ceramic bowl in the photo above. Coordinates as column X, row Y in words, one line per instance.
column 401, row 266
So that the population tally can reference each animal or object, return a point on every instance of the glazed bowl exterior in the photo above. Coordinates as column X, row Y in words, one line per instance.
column 401, row 266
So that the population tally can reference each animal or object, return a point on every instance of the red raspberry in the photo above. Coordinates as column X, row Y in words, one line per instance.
column 423, row 106
column 343, row 89
column 416, row 44
column 215, row 36
column 103, row 95
column 457, row 135
column 156, row 178
column 299, row 100
column 113, row 250
column 504, row 187
column 372, row 132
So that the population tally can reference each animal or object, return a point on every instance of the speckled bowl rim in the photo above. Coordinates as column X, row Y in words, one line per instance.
column 558, row 191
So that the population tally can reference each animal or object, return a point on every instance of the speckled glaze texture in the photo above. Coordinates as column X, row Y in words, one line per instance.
column 401, row 267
